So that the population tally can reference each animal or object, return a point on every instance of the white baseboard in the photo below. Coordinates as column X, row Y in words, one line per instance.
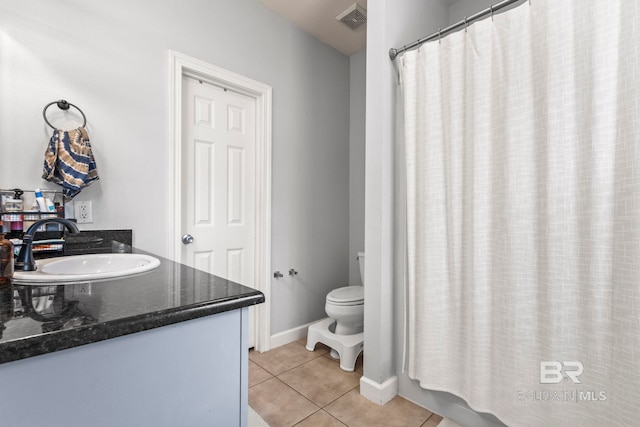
column 379, row 393
column 289, row 336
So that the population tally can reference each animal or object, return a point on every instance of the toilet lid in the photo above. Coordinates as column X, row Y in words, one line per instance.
column 352, row 295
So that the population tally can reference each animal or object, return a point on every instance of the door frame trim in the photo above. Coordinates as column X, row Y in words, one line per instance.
column 182, row 65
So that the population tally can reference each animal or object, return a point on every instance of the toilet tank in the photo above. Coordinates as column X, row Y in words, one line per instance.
column 361, row 264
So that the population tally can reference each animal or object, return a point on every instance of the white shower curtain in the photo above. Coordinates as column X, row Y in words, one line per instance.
column 522, row 140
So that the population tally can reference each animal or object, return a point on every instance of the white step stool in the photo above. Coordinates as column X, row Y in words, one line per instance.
column 347, row 346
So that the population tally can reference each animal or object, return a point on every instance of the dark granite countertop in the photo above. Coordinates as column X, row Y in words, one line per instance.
column 35, row 320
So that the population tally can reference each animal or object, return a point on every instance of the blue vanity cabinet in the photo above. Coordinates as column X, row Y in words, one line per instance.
column 191, row 373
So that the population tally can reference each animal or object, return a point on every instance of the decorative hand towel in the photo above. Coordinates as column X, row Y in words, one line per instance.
column 69, row 161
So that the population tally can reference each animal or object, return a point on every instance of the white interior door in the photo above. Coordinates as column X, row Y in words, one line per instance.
column 218, row 182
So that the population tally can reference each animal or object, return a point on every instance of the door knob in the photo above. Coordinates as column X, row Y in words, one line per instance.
column 187, row 238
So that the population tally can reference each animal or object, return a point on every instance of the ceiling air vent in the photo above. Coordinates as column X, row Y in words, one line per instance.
column 354, row 16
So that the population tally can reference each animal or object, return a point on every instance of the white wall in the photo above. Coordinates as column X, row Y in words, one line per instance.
column 358, row 63
column 110, row 58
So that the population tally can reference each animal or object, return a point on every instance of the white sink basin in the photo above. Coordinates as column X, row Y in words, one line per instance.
column 82, row 268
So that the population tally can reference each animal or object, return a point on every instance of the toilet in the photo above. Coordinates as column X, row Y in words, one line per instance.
column 343, row 329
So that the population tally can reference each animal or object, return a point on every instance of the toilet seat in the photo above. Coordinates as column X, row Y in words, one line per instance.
column 348, row 295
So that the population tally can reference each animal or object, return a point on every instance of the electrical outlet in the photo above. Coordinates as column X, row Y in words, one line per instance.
column 82, row 289
column 83, row 211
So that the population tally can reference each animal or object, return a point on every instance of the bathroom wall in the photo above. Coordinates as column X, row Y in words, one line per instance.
column 391, row 23
column 111, row 59
column 358, row 63
column 464, row 8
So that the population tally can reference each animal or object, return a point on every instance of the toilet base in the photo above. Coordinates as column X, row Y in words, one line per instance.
column 348, row 347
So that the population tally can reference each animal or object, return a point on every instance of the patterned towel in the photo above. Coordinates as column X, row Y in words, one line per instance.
column 69, row 161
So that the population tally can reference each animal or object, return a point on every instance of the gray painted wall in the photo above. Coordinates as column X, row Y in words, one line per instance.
column 464, row 8
column 391, row 23
column 110, row 58
column 357, row 88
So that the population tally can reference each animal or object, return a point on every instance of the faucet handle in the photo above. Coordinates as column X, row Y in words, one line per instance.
column 25, row 261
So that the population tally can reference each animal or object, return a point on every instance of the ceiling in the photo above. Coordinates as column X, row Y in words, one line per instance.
column 317, row 17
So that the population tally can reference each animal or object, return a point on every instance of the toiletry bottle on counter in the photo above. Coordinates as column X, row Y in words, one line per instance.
column 44, row 205
column 49, row 204
column 13, row 220
column 6, row 273
column 6, row 259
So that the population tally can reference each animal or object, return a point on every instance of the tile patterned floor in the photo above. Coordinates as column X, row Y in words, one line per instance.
column 290, row 386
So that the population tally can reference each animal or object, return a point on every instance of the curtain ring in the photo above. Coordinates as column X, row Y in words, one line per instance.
column 439, row 36
column 492, row 12
column 465, row 24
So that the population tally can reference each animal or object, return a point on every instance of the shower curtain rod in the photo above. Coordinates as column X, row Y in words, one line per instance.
column 393, row 53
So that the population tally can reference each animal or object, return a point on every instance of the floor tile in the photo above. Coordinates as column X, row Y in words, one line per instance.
column 283, row 358
column 257, row 374
column 320, row 419
column 433, row 421
column 359, row 367
column 320, row 380
column 360, row 363
column 320, row 347
column 305, row 382
column 356, row 411
column 278, row 404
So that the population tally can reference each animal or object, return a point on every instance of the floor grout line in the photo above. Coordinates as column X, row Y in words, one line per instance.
column 342, row 395
column 335, row 364
column 321, row 409
column 297, row 366
column 308, row 416
column 302, row 363
column 297, row 392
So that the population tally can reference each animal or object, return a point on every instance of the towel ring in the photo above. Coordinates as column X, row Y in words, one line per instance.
column 63, row 105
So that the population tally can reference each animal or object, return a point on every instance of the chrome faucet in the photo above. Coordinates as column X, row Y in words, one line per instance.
column 25, row 261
